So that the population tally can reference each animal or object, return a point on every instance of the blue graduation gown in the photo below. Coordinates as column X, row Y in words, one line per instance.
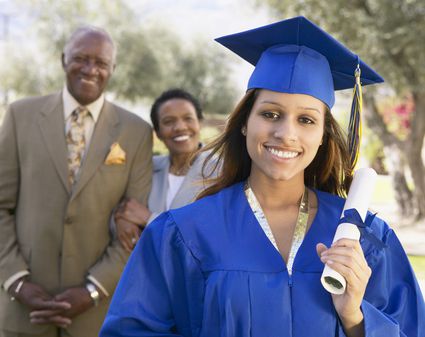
column 208, row 270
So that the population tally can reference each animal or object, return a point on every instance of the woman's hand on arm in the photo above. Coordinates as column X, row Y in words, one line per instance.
column 128, row 233
column 133, row 211
column 130, row 218
column 346, row 257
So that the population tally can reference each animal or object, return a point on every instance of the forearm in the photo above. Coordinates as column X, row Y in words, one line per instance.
column 12, row 281
column 11, row 259
column 140, row 180
column 107, row 270
column 353, row 325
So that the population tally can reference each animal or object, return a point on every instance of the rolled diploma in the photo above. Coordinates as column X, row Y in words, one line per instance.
column 359, row 198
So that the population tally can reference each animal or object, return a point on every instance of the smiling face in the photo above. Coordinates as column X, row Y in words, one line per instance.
column 179, row 127
column 283, row 134
column 88, row 64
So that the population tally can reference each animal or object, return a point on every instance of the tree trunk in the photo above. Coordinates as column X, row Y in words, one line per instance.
column 396, row 168
column 413, row 147
column 393, row 151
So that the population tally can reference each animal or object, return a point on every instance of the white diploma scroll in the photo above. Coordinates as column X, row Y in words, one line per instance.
column 359, row 198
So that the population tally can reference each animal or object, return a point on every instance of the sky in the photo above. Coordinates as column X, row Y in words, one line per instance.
column 191, row 19
column 207, row 19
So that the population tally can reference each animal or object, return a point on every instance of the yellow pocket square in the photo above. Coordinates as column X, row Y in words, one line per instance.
column 116, row 155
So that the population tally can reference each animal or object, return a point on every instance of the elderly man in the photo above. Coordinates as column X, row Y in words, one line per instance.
column 66, row 160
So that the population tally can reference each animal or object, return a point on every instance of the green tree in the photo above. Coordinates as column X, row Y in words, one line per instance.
column 150, row 58
column 388, row 34
column 204, row 71
column 143, row 64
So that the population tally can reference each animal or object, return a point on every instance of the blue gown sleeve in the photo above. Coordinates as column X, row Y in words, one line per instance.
column 393, row 305
column 161, row 290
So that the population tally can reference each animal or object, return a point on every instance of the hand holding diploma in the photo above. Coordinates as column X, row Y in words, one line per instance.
column 346, row 271
column 353, row 214
column 346, row 259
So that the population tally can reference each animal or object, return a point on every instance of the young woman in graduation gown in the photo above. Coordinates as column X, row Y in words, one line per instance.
column 247, row 257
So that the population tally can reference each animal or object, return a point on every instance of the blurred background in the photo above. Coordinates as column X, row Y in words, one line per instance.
column 164, row 43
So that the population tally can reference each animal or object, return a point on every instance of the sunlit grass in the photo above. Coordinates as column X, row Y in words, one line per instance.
column 418, row 264
column 383, row 190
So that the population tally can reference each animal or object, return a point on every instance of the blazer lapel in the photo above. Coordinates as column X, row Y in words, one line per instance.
column 158, row 195
column 104, row 134
column 52, row 126
column 192, row 183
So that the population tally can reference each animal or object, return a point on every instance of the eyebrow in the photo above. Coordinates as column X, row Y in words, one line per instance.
column 311, row 109
column 188, row 114
column 299, row 108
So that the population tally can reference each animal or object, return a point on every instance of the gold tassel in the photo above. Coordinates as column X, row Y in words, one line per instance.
column 355, row 125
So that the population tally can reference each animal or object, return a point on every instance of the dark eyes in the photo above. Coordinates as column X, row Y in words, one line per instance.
column 78, row 59
column 306, row 120
column 86, row 60
column 271, row 115
column 102, row 64
column 275, row 116
column 168, row 122
column 174, row 121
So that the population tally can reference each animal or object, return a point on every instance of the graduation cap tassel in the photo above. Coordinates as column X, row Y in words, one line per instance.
column 355, row 125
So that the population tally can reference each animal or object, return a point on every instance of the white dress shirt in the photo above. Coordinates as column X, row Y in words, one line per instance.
column 70, row 104
column 174, row 184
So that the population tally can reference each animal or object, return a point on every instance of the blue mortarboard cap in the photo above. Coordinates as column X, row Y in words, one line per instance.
column 297, row 56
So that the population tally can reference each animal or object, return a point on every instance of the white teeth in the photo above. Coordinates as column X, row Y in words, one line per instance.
column 181, row 138
column 88, row 81
column 282, row 154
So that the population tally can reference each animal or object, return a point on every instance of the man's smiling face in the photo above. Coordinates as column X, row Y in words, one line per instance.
column 88, row 64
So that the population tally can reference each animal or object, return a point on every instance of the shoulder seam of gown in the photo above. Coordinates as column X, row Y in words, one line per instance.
column 180, row 235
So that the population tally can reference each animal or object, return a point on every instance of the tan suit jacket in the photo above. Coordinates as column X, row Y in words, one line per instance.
column 60, row 235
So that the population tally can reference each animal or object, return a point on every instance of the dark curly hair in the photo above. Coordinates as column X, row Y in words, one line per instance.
column 173, row 94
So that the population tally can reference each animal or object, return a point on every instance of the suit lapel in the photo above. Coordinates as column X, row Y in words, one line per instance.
column 189, row 185
column 52, row 126
column 158, row 200
column 104, row 135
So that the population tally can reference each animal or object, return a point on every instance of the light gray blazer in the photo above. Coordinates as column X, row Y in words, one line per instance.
column 192, row 184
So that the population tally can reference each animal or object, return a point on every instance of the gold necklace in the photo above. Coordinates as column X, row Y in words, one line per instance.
column 179, row 171
column 300, row 226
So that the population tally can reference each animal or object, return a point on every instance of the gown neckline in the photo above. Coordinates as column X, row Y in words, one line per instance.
column 311, row 236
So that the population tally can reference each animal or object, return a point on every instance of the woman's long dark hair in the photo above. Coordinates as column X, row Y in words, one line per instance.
column 329, row 171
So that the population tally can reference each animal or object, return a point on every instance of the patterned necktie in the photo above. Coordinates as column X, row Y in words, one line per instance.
column 76, row 142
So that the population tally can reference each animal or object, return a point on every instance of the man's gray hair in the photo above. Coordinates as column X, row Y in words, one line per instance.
column 89, row 29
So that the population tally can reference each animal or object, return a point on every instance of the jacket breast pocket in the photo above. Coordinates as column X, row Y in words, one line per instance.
column 114, row 167
column 111, row 180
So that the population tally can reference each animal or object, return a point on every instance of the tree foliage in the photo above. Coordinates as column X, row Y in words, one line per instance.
column 206, row 70
column 150, row 59
column 386, row 33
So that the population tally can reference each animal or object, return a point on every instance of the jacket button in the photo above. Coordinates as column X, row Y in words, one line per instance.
column 68, row 220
